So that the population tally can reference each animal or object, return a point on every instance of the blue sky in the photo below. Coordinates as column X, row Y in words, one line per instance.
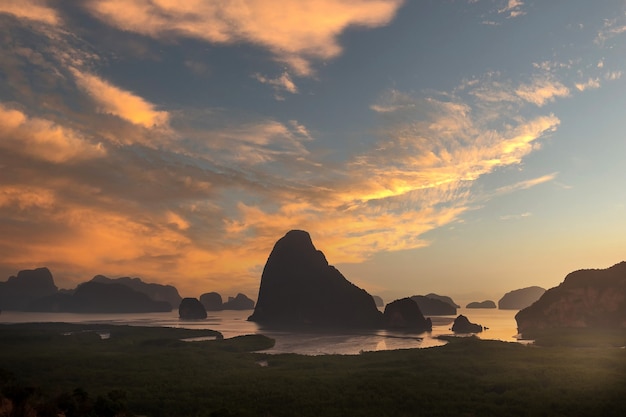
column 467, row 148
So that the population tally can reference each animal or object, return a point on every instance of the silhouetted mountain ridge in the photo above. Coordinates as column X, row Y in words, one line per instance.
column 96, row 297
column 156, row 292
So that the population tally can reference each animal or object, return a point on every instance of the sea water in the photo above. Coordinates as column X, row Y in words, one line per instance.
column 501, row 326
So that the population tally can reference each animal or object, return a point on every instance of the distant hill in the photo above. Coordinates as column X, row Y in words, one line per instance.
column 481, row 304
column 589, row 298
column 156, row 292
column 239, row 302
column 299, row 287
column 96, row 297
column 18, row 292
column 433, row 306
column 519, row 299
column 211, row 301
column 443, row 298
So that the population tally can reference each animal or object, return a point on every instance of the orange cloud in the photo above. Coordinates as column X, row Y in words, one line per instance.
column 296, row 31
column 43, row 139
column 542, row 91
column 121, row 103
column 35, row 10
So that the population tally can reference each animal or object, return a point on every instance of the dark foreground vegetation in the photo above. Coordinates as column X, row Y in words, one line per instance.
column 63, row 369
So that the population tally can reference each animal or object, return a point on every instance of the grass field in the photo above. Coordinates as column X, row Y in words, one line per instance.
column 48, row 369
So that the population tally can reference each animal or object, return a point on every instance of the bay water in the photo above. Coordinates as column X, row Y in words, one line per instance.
column 500, row 323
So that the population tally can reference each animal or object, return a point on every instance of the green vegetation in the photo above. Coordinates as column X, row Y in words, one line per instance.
column 151, row 372
column 578, row 337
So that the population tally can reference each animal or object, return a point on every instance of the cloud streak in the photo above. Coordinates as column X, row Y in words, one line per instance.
column 124, row 104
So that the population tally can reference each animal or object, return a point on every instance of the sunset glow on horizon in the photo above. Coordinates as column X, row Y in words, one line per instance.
column 466, row 147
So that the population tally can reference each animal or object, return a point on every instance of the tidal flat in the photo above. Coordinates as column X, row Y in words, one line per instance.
column 108, row 370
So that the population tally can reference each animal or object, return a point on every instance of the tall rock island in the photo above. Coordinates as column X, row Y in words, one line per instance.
column 589, row 298
column 299, row 287
column 406, row 314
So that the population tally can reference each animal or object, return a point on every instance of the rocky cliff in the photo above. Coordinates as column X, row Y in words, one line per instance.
column 406, row 314
column 299, row 287
column 156, row 292
column 519, row 299
column 590, row 298
column 463, row 325
column 191, row 309
column 18, row 292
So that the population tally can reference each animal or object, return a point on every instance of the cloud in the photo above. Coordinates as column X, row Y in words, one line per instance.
column 280, row 84
column 34, row 10
column 512, row 9
column 523, row 185
column 393, row 100
column 591, row 83
column 613, row 75
column 516, row 216
column 124, row 104
column 43, row 139
column 542, row 91
column 254, row 143
column 611, row 29
column 417, row 178
column 296, row 32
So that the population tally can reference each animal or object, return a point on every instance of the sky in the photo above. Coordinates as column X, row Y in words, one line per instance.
column 462, row 147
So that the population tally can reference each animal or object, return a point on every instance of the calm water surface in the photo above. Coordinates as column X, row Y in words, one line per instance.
column 501, row 324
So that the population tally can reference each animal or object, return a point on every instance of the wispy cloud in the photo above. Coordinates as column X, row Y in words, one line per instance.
column 613, row 75
column 542, row 91
column 612, row 28
column 523, row 185
column 392, row 101
column 281, row 84
column 296, row 33
column 513, row 8
column 591, row 83
column 516, row 216
column 124, row 104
